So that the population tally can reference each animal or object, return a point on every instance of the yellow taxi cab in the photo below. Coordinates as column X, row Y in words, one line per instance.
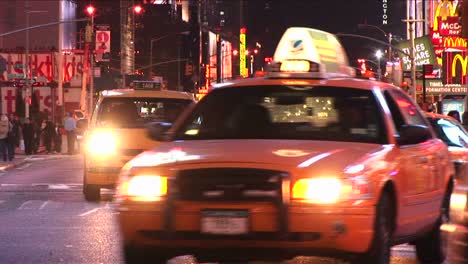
column 456, row 138
column 117, row 131
column 307, row 160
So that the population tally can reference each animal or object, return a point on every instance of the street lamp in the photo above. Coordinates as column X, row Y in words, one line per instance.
column 28, row 86
column 153, row 40
column 387, row 35
column 378, row 55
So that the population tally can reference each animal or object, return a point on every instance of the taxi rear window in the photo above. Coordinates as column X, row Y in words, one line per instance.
column 136, row 112
column 286, row 112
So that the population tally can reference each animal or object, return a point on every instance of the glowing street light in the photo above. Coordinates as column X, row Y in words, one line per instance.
column 90, row 10
column 378, row 55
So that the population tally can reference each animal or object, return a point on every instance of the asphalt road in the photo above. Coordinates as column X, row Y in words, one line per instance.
column 45, row 219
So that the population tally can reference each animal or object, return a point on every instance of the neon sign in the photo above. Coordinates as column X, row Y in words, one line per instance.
column 385, row 9
column 463, row 61
column 454, row 42
column 242, row 60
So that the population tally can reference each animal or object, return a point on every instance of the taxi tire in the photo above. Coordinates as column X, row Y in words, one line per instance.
column 92, row 193
column 379, row 251
column 431, row 248
column 134, row 254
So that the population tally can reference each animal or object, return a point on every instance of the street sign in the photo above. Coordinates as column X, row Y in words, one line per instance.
column 406, row 74
column 419, row 75
column 102, row 47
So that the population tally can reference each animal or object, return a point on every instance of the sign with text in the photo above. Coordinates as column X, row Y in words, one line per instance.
column 43, row 65
column 103, row 41
column 449, row 27
column 423, row 52
column 437, row 87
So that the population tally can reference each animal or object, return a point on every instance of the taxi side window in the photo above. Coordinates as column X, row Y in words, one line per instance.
column 403, row 110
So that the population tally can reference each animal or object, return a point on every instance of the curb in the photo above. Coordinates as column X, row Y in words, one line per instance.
column 12, row 165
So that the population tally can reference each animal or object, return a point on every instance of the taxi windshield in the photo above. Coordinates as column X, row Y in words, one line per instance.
column 286, row 112
column 136, row 112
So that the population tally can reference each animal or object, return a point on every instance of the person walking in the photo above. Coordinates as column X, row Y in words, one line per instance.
column 465, row 120
column 48, row 132
column 58, row 138
column 28, row 136
column 5, row 128
column 455, row 114
column 15, row 134
column 70, row 127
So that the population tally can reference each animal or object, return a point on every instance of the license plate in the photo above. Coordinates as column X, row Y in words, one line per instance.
column 225, row 222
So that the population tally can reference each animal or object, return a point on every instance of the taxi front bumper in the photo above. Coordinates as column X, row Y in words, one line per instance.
column 294, row 230
column 104, row 171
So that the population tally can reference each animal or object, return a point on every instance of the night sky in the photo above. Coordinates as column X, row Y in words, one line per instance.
column 269, row 19
column 266, row 20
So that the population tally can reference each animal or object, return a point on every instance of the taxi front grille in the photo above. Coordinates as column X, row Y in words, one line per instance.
column 130, row 152
column 228, row 184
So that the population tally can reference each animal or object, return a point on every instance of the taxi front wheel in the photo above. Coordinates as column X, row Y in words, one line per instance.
column 92, row 193
column 432, row 248
column 134, row 254
column 379, row 251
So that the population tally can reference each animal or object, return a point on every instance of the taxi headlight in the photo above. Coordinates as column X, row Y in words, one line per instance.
column 458, row 203
column 331, row 190
column 102, row 143
column 144, row 188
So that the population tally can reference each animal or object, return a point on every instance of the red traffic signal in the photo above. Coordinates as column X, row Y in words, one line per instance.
column 90, row 10
column 138, row 9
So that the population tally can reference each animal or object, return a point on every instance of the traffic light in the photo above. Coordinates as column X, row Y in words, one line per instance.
column 138, row 9
column 463, row 18
column 90, row 10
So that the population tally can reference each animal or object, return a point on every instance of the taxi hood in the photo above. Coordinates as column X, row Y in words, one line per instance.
column 288, row 154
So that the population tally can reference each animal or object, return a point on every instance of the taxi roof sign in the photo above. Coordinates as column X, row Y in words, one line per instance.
column 321, row 49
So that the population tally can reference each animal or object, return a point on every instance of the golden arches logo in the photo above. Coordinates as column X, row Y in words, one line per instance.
column 443, row 10
column 455, row 43
column 463, row 61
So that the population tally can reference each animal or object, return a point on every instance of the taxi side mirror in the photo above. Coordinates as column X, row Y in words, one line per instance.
column 158, row 130
column 413, row 134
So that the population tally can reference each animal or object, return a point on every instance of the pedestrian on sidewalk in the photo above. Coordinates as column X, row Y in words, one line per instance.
column 14, row 137
column 58, row 138
column 5, row 128
column 48, row 132
column 70, row 127
column 28, row 136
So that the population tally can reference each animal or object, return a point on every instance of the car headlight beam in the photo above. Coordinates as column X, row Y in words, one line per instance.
column 331, row 190
column 102, row 143
column 143, row 188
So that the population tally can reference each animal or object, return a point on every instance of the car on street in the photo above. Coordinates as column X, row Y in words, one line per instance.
column 307, row 160
column 117, row 131
column 455, row 136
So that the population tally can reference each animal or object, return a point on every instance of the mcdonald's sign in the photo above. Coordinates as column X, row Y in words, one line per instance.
column 464, row 64
column 454, row 42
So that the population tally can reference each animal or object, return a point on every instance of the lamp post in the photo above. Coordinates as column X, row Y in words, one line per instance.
column 389, row 37
column 378, row 55
column 28, row 87
column 153, row 40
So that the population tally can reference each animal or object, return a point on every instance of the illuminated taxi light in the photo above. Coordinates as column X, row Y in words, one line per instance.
column 295, row 66
column 102, row 143
column 145, row 188
column 320, row 190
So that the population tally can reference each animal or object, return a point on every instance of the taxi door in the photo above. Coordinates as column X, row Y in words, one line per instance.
column 418, row 175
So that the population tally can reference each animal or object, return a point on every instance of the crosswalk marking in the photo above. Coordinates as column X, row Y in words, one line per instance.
column 43, row 205
column 24, row 205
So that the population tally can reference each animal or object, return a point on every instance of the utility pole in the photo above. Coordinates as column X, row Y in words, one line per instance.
column 59, row 88
column 410, row 24
column 26, row 66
